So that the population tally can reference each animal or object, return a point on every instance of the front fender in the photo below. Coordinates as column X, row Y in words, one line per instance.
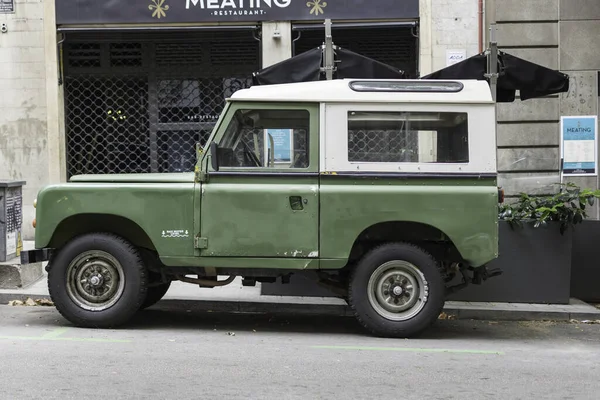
column 164, row 211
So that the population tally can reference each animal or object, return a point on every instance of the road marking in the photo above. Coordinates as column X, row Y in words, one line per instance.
column 409, row 349
column 55, row 336
column 55, row 333
column 59, row 339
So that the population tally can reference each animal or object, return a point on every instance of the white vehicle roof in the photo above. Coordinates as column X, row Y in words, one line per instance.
column 371, row 90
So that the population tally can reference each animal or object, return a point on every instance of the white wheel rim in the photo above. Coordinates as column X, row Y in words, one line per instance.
column 397, row 290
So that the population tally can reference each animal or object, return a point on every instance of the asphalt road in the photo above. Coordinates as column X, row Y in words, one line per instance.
column 174, row 353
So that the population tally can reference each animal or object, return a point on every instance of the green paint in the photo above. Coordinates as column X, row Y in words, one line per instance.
column 464, row 210
column 249, row 222
column 408, row 349
column 150, row 208
column 242, row 262
column 260, row 221
column 55, row 333
column 65, row 339
column 136, row 178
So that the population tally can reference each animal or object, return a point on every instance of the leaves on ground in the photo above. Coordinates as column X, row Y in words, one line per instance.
column 31, row 302
column 585, row 322
column 446, row 316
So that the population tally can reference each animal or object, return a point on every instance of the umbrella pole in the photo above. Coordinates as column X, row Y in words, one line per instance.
column 328, row 58
column 492, row 74
column 492, row 61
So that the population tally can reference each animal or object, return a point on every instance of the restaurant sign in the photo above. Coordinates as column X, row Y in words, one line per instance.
column 182, row 11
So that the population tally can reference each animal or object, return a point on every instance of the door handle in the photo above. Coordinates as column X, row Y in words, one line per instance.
column 296, row 203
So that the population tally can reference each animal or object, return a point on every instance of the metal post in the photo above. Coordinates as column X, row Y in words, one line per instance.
column 328, row 51
column 492, row 59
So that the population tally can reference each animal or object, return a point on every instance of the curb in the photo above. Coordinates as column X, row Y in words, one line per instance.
column 454, row 312
column 6, row 297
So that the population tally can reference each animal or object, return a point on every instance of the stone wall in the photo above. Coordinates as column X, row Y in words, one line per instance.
column 454, row 26
column 558, row 34
column 23, row 120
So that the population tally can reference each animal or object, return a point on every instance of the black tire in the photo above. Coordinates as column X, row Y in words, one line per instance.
column 426, row 275
column 118, row 267
column 155, row 293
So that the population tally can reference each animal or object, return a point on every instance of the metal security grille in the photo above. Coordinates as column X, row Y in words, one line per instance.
column 392, row 45
column 439, row 137
column 139, row 102
column 382, row 146
column 14, row 209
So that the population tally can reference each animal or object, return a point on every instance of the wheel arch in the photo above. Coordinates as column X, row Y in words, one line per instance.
column 79, row 224
column 429, row 237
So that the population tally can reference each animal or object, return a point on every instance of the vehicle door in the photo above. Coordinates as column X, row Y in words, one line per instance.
column 262, row 200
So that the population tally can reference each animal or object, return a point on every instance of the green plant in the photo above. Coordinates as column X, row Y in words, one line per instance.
column 568, row 207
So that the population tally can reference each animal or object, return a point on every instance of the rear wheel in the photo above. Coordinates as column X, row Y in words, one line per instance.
column 396, row 290
column 97, row 280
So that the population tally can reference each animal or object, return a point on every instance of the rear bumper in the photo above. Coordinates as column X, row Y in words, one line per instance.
column 35, row 256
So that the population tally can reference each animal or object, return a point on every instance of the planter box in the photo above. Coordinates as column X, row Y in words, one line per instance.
column 585, row 265
column 536, row 265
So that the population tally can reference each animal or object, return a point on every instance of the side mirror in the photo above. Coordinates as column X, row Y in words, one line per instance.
column 214, row 156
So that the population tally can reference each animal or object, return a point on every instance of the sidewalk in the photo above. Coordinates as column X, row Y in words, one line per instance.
column 236, row 298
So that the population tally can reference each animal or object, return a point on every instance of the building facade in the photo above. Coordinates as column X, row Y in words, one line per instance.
column 116, row 87
column 558, row 34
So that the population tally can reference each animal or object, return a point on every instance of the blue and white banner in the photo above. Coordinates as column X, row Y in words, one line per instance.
column 579, row 145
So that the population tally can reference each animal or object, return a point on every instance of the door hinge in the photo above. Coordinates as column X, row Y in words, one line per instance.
column 200, row 242
column 200, row 176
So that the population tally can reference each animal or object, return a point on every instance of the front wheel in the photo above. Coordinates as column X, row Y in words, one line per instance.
column 396, row 290
column 155, row 294
column 97, row 280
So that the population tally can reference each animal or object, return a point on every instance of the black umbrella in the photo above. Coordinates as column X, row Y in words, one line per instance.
column 530, row 79
column 306, row 67
column 354, row 65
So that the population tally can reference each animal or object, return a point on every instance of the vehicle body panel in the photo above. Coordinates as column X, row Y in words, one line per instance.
column 154, row 207
column 253, row 217
column 464, row 210
column 174, row 177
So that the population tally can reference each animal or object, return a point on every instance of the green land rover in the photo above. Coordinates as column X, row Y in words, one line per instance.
column 386, row 189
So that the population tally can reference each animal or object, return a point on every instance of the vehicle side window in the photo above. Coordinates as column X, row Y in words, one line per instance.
column 266, row 139
column 417, row 137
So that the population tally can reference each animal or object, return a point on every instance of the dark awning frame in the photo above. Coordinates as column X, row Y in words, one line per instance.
column 325, row 62
column 365, row 25
column 504, row 72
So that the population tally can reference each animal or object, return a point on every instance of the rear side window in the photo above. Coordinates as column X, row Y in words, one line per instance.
column 411, row 137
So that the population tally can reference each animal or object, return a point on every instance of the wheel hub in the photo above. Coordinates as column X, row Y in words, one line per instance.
column 397, row 290
column 95, row 280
